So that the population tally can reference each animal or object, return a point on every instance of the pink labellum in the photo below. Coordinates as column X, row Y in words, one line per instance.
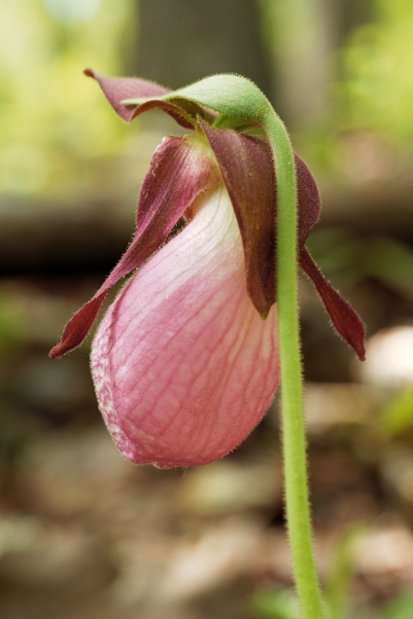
column 180, row 170
column 183, row 364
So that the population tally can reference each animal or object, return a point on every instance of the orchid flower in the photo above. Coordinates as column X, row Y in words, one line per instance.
column 185, row 361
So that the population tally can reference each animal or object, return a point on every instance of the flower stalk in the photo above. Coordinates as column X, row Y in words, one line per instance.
column 297, row 503
column 240, row 102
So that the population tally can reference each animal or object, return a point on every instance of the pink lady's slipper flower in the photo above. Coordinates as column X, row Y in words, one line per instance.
column 185, row 361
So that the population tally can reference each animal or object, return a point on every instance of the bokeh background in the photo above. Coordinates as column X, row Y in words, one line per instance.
column 84, row 534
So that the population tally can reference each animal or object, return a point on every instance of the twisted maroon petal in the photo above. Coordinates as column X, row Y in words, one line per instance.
column 118, row 89
column 343, row 317
column 180, row 170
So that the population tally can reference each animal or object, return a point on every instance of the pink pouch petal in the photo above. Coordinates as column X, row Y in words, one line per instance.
column 183, row 364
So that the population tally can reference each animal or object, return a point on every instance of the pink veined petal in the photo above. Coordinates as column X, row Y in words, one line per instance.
column 183, row 364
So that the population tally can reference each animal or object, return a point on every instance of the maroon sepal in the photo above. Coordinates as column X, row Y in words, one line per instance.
column 119, row 89
column 178, row 174
column 342, row 315
column 248, row 172
column 248, row 175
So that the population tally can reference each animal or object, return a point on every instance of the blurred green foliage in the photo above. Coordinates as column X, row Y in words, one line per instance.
column 400, row 608
column 52, row 120
column 397, row 415
column 54, row 126
column 377, row 90
column 276, row 604
column 13, row 326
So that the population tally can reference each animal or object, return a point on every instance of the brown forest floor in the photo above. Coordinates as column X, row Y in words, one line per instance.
column 84, row 534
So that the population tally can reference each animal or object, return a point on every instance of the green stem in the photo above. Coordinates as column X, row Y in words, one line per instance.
column 293, row 431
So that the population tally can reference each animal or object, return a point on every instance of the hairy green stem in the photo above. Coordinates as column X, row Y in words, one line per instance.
column 293, row 430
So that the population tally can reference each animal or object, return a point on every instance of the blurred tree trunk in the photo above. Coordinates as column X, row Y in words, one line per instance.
column 350, row 15
column 180, row 41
